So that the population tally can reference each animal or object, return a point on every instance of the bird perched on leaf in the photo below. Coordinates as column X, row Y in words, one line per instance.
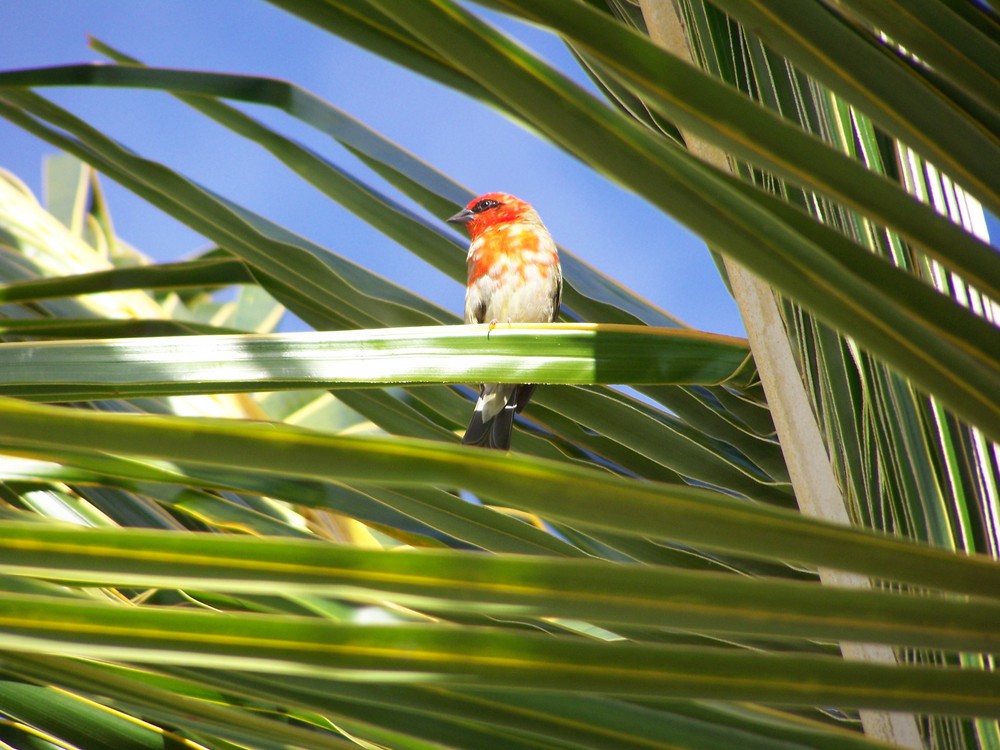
column 514, row 277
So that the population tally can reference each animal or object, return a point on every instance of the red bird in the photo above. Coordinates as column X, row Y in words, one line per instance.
column 514, row 277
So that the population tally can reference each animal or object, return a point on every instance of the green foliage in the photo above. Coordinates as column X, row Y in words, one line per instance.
column 238, row 539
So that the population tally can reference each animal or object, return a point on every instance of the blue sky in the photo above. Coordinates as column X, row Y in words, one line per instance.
column 614, row 230
column 607, row 226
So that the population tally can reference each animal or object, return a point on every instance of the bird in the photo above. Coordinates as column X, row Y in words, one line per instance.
column 514, row 276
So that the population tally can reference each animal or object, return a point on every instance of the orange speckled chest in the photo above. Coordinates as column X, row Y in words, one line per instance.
column 511, row 248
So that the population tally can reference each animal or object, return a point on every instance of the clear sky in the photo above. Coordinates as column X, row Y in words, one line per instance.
column 607, row 226
column 614, row 230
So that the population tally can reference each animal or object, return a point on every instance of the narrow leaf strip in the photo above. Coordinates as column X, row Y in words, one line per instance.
column 556, row 490
column 575, row 353
column 506, row 587
column 484, row 657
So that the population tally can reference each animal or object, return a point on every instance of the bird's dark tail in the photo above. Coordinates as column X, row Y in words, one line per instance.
column 496, row 432
column 493, row 433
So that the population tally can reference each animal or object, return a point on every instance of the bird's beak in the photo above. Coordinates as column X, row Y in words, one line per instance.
column 462, row 217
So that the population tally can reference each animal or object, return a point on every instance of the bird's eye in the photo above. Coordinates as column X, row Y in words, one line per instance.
column 485, row 205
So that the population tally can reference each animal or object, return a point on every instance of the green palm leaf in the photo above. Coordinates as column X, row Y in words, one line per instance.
column 635, row 575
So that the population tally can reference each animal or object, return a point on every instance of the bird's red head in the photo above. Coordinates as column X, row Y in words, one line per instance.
column 494, row 209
